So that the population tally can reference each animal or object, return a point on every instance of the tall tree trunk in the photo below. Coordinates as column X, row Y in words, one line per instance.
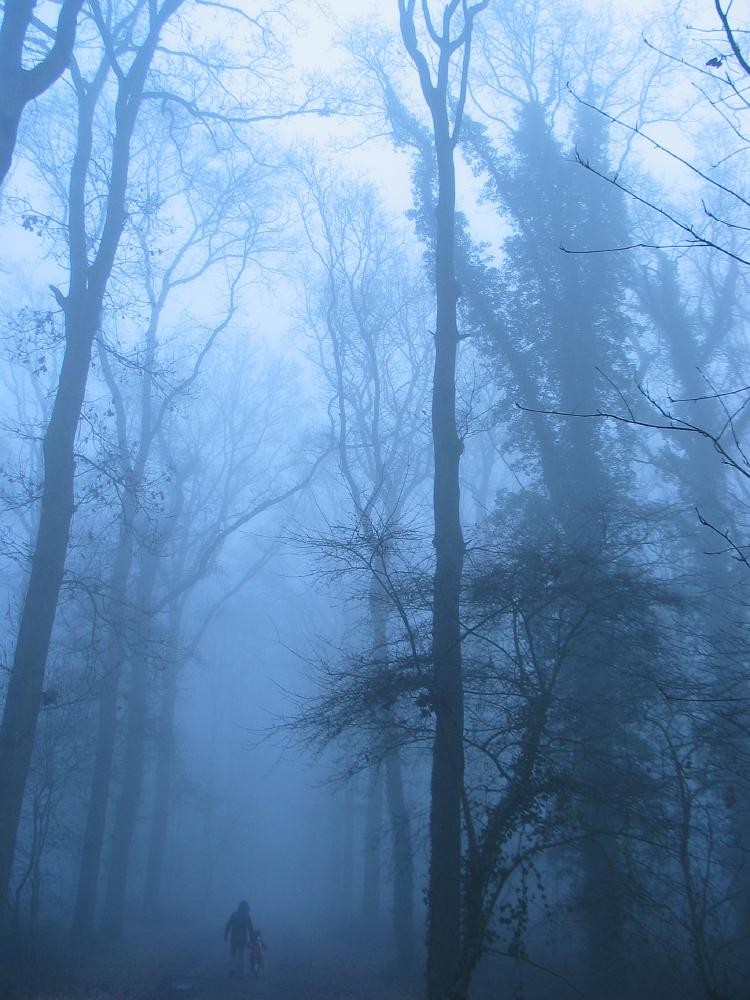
column 47, row 566
column 693, row 345
column 448, row 37
column 444, row 928
column 444, row 887
column 398, row 813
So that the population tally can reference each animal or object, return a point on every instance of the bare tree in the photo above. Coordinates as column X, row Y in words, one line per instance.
column 214, row 493
column 185, row 630
column 216, row 240
column 369, row 316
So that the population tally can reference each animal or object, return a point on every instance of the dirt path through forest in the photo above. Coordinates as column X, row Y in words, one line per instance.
column 301, row 980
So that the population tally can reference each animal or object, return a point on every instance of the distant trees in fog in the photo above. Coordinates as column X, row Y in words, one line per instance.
column 368, row 309
column 142, row 216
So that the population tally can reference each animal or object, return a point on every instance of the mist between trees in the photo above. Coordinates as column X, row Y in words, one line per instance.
column 374, row 498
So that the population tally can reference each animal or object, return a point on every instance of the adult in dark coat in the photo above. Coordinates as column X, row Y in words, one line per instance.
column 239, row 933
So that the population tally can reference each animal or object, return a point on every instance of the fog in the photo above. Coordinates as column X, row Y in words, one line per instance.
column 374, row 500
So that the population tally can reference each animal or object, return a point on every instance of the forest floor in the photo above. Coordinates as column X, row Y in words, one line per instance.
column 179, row 973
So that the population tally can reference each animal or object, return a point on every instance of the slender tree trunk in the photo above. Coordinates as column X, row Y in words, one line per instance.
column 162, row 799
column 373, row 849
column 96, row 814
column 43, row 814
column 692, row 346
column 163, row 782
column 347, row 854
column 127, row 806
column 444, row 893
column 403, row 863
column 398, row 813
column 206, row 882
column 341, row 856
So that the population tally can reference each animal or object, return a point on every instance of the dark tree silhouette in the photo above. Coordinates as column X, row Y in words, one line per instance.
column 448, row 40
